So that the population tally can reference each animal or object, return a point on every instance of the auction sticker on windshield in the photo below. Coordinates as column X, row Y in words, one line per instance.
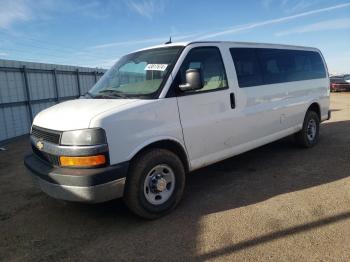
column 156, row 67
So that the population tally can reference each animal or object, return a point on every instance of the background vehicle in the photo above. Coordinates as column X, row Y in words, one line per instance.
column 164, row 111
column 340, row 83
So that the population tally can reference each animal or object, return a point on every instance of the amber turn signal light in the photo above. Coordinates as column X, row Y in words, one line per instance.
column 82, row 161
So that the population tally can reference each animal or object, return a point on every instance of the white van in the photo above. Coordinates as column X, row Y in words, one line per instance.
column 162, row 112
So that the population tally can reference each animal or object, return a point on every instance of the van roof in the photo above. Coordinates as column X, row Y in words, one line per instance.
column 252, row 44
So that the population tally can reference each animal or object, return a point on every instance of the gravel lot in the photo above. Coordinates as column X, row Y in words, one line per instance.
column 277, row 202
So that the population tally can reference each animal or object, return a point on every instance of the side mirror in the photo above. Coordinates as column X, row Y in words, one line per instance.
column 193, row 80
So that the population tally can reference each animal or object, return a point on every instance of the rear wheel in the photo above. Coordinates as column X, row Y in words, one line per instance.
column 308, row 136
column 155, row 183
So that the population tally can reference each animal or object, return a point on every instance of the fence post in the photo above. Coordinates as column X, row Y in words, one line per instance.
column 57, row 98
column 95, row 73
column 78, row 81
column 28, row 99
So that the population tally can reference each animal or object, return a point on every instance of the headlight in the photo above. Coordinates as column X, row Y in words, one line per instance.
column 84, row 137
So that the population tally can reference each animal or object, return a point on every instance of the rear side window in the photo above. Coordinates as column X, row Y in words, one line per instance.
column 247, row 66
column 279, row 65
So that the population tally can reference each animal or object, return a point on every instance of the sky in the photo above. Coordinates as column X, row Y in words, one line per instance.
column 96, row 33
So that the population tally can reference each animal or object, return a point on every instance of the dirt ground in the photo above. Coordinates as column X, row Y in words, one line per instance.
column 278, row 202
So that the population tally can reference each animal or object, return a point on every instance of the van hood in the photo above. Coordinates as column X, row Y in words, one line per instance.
column 76, row 114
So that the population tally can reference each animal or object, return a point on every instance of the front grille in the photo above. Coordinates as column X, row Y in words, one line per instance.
column 52, row 159
column 46, row 135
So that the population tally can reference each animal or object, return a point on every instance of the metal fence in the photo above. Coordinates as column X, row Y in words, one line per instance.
column 27, row 88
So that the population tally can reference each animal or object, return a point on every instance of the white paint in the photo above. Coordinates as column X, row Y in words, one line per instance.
column 76, row 114
column 204, row 124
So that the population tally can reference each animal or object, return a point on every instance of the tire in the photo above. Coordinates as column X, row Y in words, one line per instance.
column 308, row 136
column 146, row 194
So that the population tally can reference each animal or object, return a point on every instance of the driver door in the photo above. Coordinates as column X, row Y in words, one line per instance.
column 206, row 114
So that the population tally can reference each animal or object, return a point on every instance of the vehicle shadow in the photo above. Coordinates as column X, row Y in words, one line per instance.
column 274, row 169
column 109, row 231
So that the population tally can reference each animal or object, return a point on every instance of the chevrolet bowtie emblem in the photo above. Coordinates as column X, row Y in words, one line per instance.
column 40, row 145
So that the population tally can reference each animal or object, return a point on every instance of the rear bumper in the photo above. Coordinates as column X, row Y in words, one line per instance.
column 81, row 185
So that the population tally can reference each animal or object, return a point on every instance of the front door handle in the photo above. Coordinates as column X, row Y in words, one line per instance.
column 232, row 100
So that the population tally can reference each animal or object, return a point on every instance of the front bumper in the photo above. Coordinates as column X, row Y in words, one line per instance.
column 82, row 185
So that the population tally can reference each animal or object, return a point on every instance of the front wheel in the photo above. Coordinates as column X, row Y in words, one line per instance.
column 308, row 136
column 155, row 183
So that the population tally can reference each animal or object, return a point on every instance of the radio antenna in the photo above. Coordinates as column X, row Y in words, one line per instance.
column 169, row 42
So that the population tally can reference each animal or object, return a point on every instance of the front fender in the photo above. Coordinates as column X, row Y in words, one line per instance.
column 143, row 123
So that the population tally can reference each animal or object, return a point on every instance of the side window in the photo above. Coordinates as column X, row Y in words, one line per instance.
column 209, row 60
column 275, row 65
column 281, row 65
column 317, row 66
column 247, row 66
column 265, row 66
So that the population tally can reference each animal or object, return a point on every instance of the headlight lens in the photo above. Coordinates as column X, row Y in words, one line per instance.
column 84, row 137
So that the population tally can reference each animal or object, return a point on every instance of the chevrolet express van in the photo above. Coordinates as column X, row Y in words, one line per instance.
column 162, row 112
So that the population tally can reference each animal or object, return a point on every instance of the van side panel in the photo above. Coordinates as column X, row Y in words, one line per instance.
column 267, row 112
column 302, row 81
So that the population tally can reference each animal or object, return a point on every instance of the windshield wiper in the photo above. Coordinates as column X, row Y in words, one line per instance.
column 111, row 93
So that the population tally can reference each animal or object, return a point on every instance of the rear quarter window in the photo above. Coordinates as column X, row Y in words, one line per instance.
column 264, row 66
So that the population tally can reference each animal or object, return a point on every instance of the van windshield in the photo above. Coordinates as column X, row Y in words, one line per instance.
column 137, row 74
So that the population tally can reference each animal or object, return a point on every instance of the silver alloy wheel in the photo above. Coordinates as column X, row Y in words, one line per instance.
column 311, row 129
column 159, row 184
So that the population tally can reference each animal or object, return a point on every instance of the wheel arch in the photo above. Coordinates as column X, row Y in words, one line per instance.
column 314, row 106
column 169, row 144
